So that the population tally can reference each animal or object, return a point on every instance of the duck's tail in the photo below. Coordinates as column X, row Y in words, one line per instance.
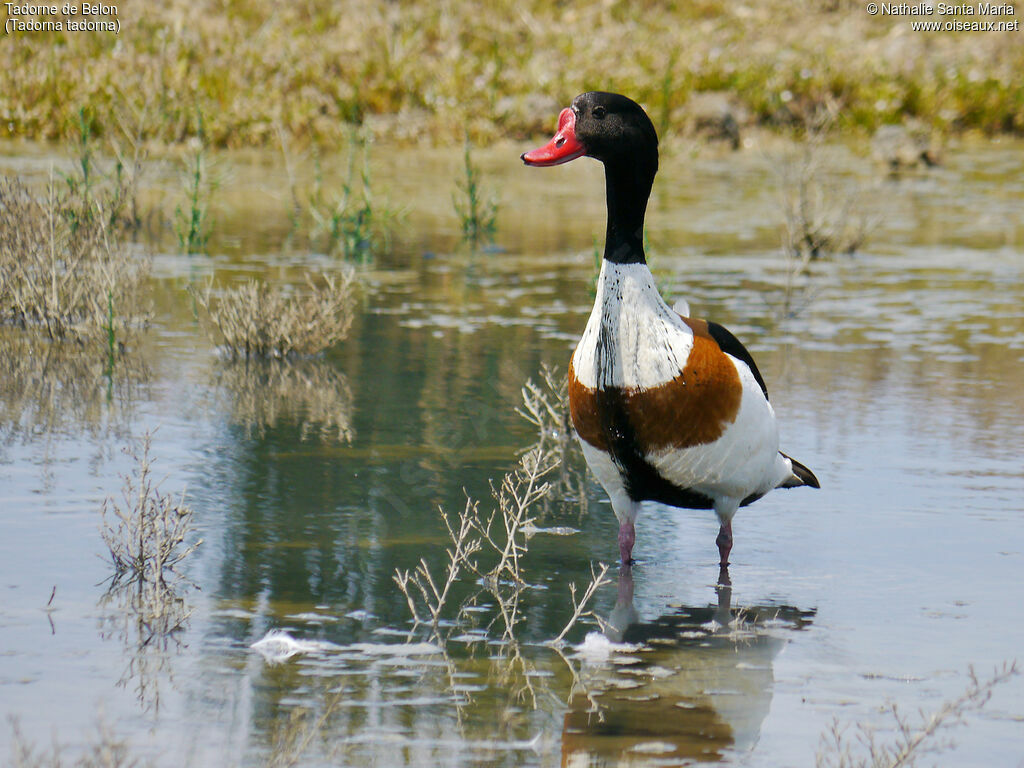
column 801, row 475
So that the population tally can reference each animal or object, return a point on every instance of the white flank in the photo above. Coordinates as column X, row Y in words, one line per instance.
column 744, row 460
column 632, row 339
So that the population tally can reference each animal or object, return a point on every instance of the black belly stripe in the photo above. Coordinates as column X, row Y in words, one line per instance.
column 643, row 482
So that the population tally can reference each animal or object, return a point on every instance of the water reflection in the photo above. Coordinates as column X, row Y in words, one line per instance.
column 700, row 685
column 149, row 620
column 309, row 393
column 47, row 387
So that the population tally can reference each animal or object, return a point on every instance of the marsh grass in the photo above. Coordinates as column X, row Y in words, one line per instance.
column 94, row 187
column 476, row 208
column 192, row 223
column 352, row 220
column 418, row 70
column 258, row 320
column 64, row 271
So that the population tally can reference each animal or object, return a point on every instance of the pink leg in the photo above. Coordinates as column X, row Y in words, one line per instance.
column 627, row 535
column 724, row 542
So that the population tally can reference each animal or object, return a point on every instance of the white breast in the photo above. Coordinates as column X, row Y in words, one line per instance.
column 633, row 339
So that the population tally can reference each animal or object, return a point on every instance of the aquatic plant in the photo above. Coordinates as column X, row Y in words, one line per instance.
column 146, row 533
column 257, row 320
column 192, row 226
column 64, row 270
column 492, row 546
column 476, row 211
column 909, row 740
column 351, row 220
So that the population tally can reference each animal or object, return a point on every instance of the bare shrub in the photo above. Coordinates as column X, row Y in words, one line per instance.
column 597, row 580
column 823, row 214
column 146, row 536
column 434, row 592
column 259, row 320
column 910, row 740
column 821, row 217
column 63, row 269
column 492, row 545
column 519, row 491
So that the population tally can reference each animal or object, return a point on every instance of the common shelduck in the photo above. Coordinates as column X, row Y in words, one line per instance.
column 667, row 408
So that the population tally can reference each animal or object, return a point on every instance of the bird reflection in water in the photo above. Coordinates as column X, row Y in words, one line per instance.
column 698, row 684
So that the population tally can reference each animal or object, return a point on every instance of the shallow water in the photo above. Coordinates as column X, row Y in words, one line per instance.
column 896, row 375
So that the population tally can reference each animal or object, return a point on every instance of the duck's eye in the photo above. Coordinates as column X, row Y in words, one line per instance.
column 599, row 112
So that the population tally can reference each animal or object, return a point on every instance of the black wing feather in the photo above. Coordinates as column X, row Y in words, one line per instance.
column 732, row 346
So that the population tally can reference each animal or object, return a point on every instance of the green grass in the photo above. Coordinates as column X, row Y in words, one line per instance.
column 192, row 224
column 476, row 209
column 351, row 221
column 415, row 71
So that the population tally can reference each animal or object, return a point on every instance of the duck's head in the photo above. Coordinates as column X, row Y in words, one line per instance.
column 606, row 126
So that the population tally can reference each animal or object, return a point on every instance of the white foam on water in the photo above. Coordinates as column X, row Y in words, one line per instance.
column 277, row 646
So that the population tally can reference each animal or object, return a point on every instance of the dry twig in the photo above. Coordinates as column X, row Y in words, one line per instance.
column 597, row 580
column 433, row 596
